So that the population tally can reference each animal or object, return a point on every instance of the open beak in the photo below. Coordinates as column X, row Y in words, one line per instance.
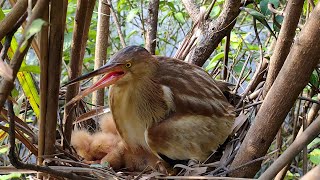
column 112, row 72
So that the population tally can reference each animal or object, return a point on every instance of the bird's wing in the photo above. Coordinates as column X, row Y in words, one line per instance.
column 183, row 137
column 201, row 119
column 193, row 90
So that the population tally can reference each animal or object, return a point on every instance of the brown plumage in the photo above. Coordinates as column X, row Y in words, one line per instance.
column 165, row 106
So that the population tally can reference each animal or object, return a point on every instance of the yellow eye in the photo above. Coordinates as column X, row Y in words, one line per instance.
column 128, row 65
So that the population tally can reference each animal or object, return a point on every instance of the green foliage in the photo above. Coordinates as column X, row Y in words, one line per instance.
column 264, row 6
column 10, row 176
column 314, row 156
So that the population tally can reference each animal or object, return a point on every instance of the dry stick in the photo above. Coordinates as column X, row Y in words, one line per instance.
column 306, row 137
column 152, row 24
column 241, row 74
column 75, row 66
column 102, row 43
column 273, row 10
column 43, row 44
column 7, row 24
column 314, row 174
column 281, row 96
column 224, row 72
column 56, row 36
column 285, row 39
column 18, row 164
column 309, row 99
column 310, row 117
column 116, row 20
column 34, row 43
column 7, row 86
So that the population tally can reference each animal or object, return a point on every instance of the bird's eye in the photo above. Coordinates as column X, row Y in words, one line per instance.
column 128, row 65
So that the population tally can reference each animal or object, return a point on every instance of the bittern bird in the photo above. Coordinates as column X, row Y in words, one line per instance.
column 166, row 106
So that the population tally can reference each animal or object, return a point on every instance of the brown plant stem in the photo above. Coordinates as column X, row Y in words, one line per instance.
column 284, row 42
column 306, row 137
column 301, row 61
column 152, row 25
column 102, row 43
column 80, row 35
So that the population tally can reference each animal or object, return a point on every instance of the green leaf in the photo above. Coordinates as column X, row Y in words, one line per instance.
column 314, row 142
column 26, row 80
column 179, row 17
column 133, row 32
column 260, row 17
column 67, row 41
column 4, row 149
column 314, row 79
column 34, row 28
column 213, row 61
column 314, row 156
column 215, row 11
column 30, row 68
column 264, row 6
column 132, row 14
column 10, row 176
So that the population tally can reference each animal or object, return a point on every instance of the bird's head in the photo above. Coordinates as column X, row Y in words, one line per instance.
column 130, row 64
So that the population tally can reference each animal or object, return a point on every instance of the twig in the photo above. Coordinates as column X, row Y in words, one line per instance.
column 306, row 137
column 273, row 10
column 309, row 99
column 224, row 73
column 241, row 73
column 18, row 164
column 116, row 20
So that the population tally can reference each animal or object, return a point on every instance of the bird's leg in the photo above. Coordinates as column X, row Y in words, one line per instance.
column 115, row 158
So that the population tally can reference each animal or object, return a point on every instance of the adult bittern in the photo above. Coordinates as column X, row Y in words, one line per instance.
column 163, row 105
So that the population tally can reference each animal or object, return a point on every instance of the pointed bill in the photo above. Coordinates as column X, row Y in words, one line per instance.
column 112, row 72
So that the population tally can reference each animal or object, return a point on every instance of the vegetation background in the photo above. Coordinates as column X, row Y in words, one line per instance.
column 268, row 49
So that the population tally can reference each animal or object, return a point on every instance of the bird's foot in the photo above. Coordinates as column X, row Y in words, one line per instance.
column 164, row 168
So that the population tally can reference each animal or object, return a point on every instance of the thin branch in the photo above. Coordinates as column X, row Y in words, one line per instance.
column 116, row 20
column 152, row 24
column 284, row 42
column 306, row 137
column 102, row 43
column 7, row 24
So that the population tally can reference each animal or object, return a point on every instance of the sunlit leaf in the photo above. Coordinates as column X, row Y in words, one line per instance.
column 314, row 142
column 132, row 14
column 214, row 60
column 215, row 11
column 4, row 149
column 34, row 28
column 179, row 17
column 314, row 156
column 10, row 176
column 25, row 79
column 3, row 135
column 30, row 68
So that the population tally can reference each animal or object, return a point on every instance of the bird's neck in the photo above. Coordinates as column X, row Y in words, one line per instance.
column 135, row 109
column 147, row 97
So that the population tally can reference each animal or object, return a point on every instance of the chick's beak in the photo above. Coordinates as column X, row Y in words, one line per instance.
column 112, row 73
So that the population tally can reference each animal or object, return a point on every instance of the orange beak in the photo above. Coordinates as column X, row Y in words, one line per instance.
column 113, row 72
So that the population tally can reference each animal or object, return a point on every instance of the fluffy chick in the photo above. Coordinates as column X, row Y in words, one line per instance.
column 107, row 124
column 107, row 146
column 93, row 147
